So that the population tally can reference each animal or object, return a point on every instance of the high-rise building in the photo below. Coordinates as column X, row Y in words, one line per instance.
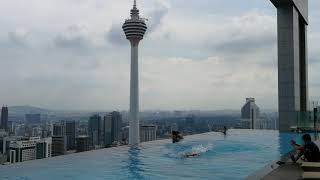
column 134, row 29
column 83, row 143
column 95, row 130
column 33, row 119
column 250, row 113
column 71, row 133
column 59, row 129
column 148, row 133
column 43, row 148
column 59, row 145
column 25, row 149
column 4, row 118
column 116, row 126
column 22, row 150
column 11, row 127
column 107, row 130
column 36, row 131
column 4, row 143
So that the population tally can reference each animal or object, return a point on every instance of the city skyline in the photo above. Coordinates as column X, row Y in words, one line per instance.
column 90, row 58
column 159, row 89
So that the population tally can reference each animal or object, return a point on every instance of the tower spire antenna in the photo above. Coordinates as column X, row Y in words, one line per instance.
column 135, row 10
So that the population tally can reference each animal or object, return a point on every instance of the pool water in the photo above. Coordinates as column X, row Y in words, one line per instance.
column 234, row 156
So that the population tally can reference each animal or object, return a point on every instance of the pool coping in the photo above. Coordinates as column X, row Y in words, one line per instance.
column 261, row 173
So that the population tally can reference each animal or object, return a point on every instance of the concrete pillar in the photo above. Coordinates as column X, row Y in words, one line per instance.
column 134, row 136
column 292, row 63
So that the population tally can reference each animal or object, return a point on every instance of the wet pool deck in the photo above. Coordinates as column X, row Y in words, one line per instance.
column 288, row 171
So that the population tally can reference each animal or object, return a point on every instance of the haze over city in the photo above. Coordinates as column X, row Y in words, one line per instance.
column 73, row 54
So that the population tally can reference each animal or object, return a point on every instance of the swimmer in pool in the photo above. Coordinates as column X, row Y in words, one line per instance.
column 176, row 136
column 225, row 130
column 191, row 155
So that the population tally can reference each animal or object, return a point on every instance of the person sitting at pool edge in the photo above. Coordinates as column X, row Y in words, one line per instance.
column 176, row 137
column 309, row 150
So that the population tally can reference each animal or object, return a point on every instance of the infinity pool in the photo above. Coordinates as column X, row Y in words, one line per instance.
column 234, row 156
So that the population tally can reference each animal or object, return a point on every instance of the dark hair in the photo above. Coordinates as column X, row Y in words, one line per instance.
column 306, row 137
column 175, row 132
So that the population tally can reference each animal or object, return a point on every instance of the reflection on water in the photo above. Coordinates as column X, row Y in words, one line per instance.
column 135, row 165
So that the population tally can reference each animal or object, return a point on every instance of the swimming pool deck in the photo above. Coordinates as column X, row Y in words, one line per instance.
column 288, row 171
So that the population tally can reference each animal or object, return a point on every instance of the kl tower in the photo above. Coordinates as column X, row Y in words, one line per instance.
column 134, row 29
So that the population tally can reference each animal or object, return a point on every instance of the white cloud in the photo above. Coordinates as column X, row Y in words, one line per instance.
column 75, row 56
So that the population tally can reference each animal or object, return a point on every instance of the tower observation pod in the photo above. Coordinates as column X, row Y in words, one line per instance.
column 134, row 29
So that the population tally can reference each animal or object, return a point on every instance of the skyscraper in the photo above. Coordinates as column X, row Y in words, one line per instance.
column 71, row 133
column 116, row 126
column 59, row 129
column 59, row 145
column 95, row 130
column 83, row 144
column 4, row 118
column 250, row 113
column 134, row 29
column 43, row 148
column 112, row 128
column 107, row 130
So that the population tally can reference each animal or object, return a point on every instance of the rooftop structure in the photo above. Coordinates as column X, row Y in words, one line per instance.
column 292, row 22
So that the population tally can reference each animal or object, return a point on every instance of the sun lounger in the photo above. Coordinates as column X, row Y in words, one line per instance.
column 311, row 166
column 311, row 175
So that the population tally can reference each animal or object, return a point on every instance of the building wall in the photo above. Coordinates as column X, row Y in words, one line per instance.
column 95, row 130
column 59, row 129
column 4, row 118
column 21, row 151
column 250, row 113
column 116, row 126
column 83, row 144
column 107, row 130
column 148, row 133
column 71, row 133
column 3, row 158
column 59, row 145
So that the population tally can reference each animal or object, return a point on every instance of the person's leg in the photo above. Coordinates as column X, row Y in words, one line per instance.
column 310, row 158
column 295, row 159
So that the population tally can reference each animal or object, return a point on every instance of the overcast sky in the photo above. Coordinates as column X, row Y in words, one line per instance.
column 197, row 54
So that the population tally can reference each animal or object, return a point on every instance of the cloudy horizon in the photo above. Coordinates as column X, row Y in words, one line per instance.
column 200, row 54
